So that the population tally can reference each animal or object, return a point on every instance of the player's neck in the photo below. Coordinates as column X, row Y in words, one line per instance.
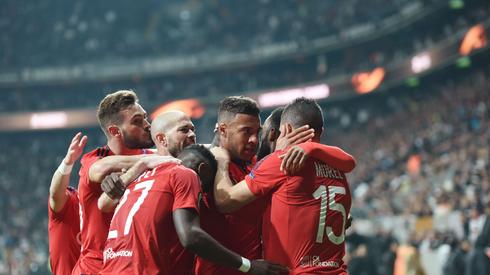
column 120, row 149
column 239, row 162
column 163, row 151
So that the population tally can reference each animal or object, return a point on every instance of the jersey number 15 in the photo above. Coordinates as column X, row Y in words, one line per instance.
column 321, row 193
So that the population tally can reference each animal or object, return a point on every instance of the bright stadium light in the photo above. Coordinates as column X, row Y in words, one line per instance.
column 48, row 120
column 421, row 62
column 283, row 97
column 191, row 106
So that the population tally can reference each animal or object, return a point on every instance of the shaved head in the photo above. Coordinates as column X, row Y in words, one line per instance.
column 166, row 121
column 178, row 130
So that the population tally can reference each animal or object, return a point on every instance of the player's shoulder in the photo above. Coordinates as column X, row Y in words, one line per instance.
column 99, row 152
column 174, row 169
column 181, row 170
column 270, row 160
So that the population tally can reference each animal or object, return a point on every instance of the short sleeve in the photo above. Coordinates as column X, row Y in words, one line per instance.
column 265, row 176
column 186, row 189
column 64, row 212
column 87, row 161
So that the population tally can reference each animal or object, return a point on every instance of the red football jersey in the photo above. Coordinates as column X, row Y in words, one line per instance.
column 304, row 225
column 239, row 231
column 64, row 235
column 142, row 237
column 94, row 223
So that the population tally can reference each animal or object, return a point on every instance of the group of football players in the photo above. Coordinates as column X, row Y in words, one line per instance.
column 261, row 199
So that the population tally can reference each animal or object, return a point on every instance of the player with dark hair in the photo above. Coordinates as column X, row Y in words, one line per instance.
column 238, row 129
column 127, row 129
column 270, row 133
column 63, row 217
column 202, row 161
column 158, row 217
column 304, row 225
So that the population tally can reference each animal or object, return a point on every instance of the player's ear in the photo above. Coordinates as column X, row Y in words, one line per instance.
column 160, row 138
column 289, row 128
column 114, row 130
column 222, row 129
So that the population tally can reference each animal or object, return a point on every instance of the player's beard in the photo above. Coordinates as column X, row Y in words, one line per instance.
column 175, row 148
column 135, row 143
column 264, row 149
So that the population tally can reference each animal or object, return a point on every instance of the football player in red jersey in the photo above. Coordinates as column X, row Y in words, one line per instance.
column 158, row 211
column 63, row 212
column 238, row 128
column 126, row 127
column 304, row 225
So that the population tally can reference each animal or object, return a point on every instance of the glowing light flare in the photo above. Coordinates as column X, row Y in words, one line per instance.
column 421, row 62
column 192, row 107
column 48, row 120
column 283, row 97
column 366, row 82
column 475, row 38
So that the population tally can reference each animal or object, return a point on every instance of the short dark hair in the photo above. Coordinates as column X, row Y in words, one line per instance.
column 111, row 106
column 230, row 106
column 275, row 121
column 203, row 153
column 303, row 111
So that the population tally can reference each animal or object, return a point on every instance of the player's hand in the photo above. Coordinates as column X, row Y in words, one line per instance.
column 76, row 148
column 293, row 160
column 259, row 267
column 113, row 186
column 296, row 136
column 152, row 161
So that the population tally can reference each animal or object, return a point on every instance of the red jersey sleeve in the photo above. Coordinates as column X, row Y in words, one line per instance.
column 60, row 215
column 266, row 175
column 330, row 155
column 87, row 161
column 186, row 189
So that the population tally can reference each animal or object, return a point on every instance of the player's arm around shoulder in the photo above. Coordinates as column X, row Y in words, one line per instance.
column 295, row 157
column 106, row 165
column 114, row 185
column 228, row 197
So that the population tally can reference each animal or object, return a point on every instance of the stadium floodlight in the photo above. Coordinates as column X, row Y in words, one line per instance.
column 283, row 97
column 366, row 82
column 475, row 38
column 48, row 120
column 421, row 62
column 191, row 107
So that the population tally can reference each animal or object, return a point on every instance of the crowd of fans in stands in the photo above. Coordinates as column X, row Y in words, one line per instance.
column 82, row 31
column 427, row 157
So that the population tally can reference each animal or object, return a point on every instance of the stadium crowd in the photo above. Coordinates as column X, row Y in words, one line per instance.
column 78, row 31
column 427, row 149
